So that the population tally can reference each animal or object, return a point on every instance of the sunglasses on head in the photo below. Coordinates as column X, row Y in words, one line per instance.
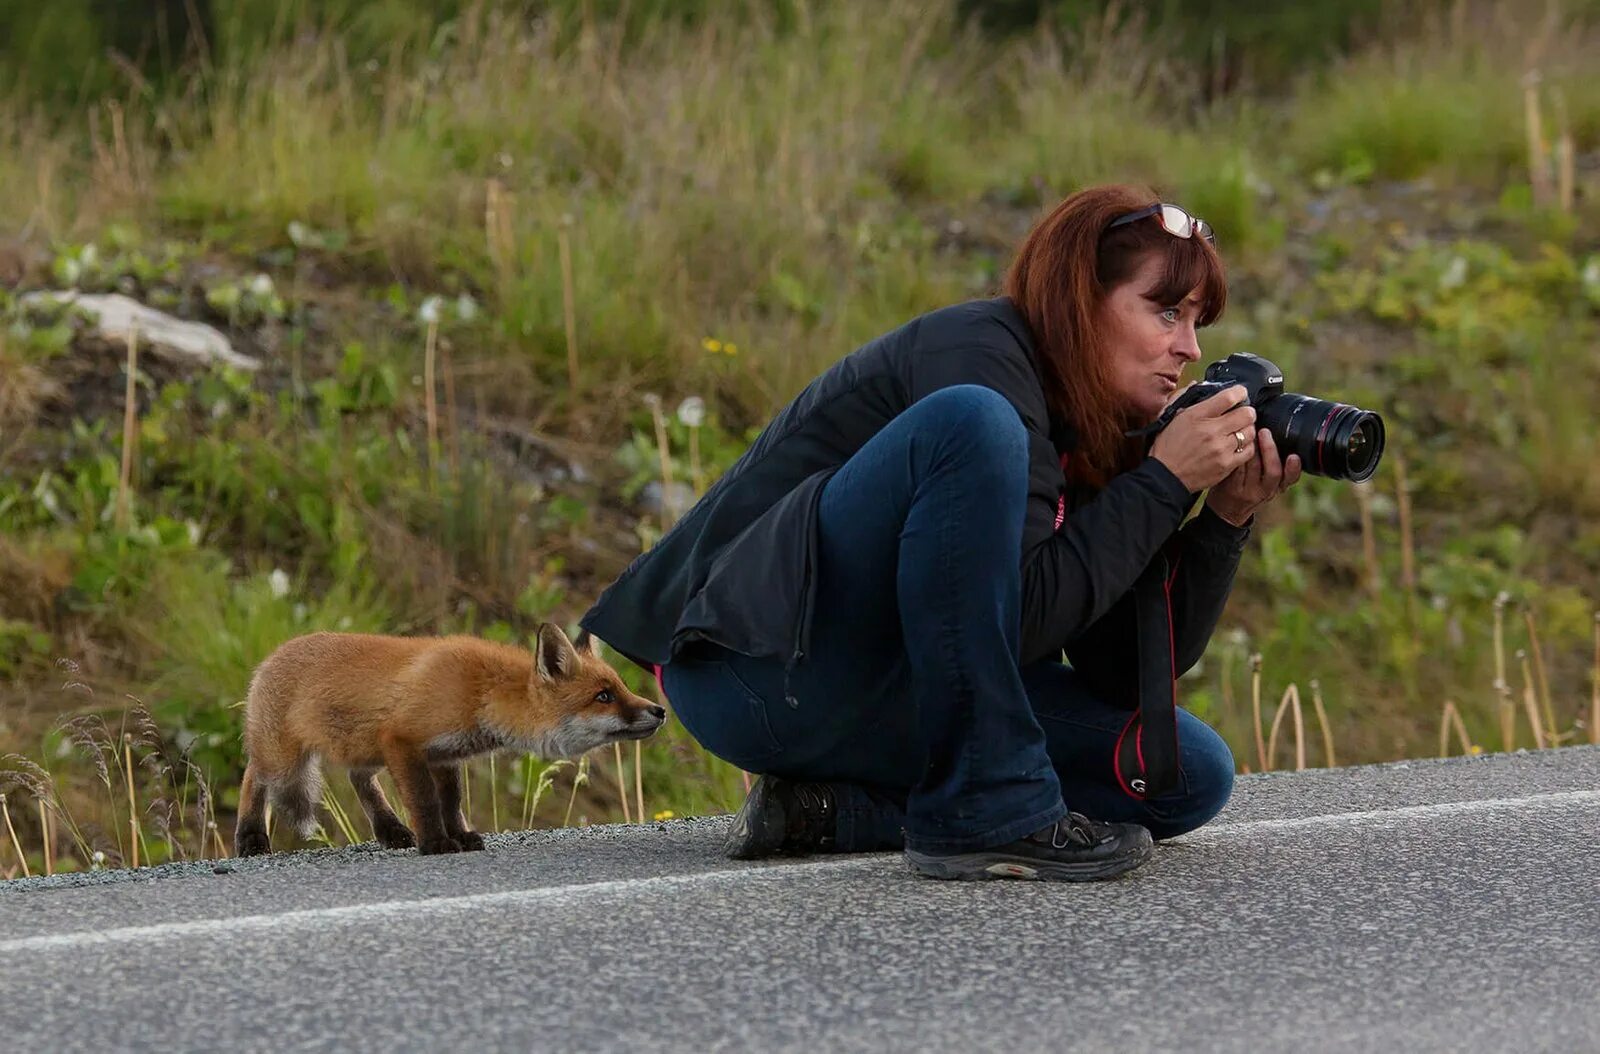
column 1173, row 220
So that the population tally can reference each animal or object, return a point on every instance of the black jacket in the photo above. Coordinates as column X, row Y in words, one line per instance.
column 737, row 568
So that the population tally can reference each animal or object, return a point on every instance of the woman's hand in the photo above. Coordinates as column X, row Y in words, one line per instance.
column 1253, row 484
column 1208, row 441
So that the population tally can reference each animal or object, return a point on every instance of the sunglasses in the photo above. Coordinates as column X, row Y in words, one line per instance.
column 1173, row 220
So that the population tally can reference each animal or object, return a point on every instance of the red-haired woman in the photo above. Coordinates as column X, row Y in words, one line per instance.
column 871, row 607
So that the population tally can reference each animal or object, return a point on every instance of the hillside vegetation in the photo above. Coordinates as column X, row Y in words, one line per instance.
column 522, row 281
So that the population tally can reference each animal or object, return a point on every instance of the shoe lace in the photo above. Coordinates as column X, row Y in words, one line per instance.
column 1077, row 829
column 811, row 824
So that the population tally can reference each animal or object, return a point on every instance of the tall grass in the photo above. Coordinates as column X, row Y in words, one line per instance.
column 744, row 174
column 1448, row 100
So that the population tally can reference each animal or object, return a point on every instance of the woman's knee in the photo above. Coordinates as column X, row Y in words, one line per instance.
column 978, row 416
column 1207, row 779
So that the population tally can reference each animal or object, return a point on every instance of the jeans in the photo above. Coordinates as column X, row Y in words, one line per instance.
column 912, row 702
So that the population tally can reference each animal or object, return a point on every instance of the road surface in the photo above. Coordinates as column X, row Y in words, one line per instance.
column 1423, row 906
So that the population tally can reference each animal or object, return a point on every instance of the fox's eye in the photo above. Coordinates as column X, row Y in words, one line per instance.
column 605, row 696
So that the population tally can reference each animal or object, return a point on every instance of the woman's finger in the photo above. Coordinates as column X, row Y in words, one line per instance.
column 1252, row 462
column 1271, row 467
column 1291, row 471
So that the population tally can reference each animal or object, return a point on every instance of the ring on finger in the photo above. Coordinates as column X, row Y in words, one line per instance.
column 1238, row 441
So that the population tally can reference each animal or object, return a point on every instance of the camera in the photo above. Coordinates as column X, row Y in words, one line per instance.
column 1336, row 440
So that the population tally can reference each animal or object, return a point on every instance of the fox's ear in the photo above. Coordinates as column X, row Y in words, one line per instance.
column 584, row 642
column 554, row 657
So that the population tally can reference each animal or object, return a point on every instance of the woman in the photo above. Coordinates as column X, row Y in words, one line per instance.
column 871, row 606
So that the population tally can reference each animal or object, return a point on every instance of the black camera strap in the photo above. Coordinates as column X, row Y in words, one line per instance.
column 1146, row 756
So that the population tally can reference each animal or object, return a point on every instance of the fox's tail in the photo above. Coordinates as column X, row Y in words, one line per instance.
column 295, row 795
column 293, row 792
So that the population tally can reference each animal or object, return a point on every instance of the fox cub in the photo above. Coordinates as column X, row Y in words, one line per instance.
column 418, row 705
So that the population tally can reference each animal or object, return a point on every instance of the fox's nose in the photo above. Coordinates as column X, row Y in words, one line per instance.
column 658, row 712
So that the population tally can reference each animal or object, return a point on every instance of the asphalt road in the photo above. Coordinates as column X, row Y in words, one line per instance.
column 1423, row 906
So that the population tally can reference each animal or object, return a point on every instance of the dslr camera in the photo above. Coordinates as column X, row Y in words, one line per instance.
column 1336, row 440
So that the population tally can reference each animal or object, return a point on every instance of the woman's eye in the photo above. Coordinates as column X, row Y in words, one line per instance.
column 1170, row 314
column 605, row 696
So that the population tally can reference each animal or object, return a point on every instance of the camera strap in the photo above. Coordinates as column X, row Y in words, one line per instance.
column 1146, row 756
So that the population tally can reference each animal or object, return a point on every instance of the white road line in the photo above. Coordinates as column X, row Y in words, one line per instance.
column 318, row 918
column 1407, row 812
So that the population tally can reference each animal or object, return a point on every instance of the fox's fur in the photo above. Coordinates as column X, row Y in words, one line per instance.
column 418, row 706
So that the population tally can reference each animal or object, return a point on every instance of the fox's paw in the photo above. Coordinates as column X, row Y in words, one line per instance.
column 471, row 841
column 396, row 837
column 441, row 844
column 251, row 841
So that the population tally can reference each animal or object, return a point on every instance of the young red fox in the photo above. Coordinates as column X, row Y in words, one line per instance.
column 418, row 705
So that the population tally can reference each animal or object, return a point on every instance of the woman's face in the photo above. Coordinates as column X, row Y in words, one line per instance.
column 1150, row 343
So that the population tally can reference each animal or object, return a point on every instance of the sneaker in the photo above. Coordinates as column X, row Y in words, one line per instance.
column 781, row 817
column 1073, row 849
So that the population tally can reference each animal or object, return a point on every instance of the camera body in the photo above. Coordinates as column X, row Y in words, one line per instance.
column 1336, row 440
column 1260, row 377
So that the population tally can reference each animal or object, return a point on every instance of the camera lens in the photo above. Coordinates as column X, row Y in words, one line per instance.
column 1364, row 445
column 1336, row 440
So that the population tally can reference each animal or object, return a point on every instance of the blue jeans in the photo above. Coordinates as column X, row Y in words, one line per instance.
column 912, row 701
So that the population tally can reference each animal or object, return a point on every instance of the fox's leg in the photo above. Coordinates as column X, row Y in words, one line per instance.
column 448, row 777
column 387, row 828
column 420, row 794
column 250, row 832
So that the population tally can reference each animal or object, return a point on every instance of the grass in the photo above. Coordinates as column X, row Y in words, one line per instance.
column 1403, row 108
column 718, row 208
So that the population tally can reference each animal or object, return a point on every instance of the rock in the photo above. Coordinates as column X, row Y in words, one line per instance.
column 117, row 315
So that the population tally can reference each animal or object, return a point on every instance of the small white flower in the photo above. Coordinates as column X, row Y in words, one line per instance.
column 218, row 409
column 71, row 270
column 300, row 612
column 466, row 307
column 278, row 582
column 429, row 311
column 1455, row 274
column 194, row 531
column 261, row 285
column 504, row 159
column 299, row 233
column 692, row 411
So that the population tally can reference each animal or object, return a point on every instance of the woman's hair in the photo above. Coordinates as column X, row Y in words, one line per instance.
column 1061, row 275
